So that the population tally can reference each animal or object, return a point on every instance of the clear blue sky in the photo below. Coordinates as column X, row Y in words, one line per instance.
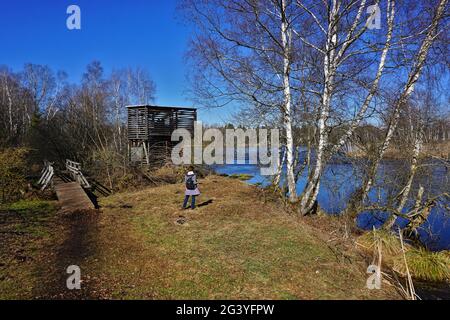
column 118, row 33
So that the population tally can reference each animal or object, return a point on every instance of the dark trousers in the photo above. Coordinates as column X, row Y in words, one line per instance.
column 186, row 199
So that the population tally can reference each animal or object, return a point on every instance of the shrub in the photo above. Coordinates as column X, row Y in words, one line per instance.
column 13, row 169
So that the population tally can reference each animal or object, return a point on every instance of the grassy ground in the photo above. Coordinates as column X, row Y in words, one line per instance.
column 235, row 245
column 25, row 231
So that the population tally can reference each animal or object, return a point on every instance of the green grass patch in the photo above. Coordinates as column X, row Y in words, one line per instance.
column 30, row 206
column 241, row 257
column 24, row 228
column 28, row 217
column 241, row 176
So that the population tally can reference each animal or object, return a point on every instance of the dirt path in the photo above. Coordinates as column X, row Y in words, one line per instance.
column 75, row 245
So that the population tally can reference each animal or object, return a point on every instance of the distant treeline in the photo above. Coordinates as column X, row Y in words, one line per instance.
column 41, row 110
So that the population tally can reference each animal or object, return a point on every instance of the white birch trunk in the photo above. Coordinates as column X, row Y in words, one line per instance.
column 413, row 77
column 412, row 172
column 287, row 105
column 8, row 93
column 277, row 178
column 309, row 195
column 359, row 117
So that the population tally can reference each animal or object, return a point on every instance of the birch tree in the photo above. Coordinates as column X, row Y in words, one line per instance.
column 7, row 95
column 286, row 47
column 413, row 77
column 245, row 53
column 410, row 132
column 336, row 52
column 40, row 82
column 14, row 110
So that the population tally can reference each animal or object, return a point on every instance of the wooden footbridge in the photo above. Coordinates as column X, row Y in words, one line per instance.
column 70, row 185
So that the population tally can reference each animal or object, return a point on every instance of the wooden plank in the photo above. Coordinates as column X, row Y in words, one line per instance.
column 72, row 197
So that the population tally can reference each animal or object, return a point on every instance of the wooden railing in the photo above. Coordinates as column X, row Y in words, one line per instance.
column 46, row 175
column 74, row 169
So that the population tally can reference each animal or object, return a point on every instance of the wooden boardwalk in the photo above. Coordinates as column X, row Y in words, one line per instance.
column 69, row 185
column 72, row 196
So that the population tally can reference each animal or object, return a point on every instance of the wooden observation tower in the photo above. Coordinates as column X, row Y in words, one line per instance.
column 150, row 129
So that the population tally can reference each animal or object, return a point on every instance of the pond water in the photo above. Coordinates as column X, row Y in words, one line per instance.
column 342, row 177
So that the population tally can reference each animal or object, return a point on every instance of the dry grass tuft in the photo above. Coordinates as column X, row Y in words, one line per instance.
column 390, row 242
column 425, row 265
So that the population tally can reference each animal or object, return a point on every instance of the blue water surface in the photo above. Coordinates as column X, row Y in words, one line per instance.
column 342, row 177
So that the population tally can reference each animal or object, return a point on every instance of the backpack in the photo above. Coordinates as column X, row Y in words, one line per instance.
column 190, row 184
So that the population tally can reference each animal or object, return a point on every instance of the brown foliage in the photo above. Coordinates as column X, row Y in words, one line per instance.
column 12, row 173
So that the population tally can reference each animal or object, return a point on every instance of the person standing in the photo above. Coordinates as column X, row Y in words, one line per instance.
column 192, row 190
